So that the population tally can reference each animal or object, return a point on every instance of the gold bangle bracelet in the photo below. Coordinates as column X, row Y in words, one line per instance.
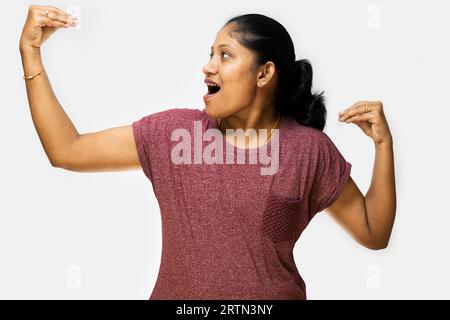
column 33, row 76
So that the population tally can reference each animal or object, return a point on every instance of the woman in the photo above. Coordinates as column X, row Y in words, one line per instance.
column 228, row 230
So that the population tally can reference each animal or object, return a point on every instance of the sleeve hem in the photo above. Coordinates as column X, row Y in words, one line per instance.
column 339, row 188
column 141, row 151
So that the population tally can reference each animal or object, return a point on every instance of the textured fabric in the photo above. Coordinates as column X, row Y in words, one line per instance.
column 228, row 232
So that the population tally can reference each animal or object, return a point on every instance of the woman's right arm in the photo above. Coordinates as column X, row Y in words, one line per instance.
column 107, row 150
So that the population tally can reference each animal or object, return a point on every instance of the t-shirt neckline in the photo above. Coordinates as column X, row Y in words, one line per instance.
column 281, row 129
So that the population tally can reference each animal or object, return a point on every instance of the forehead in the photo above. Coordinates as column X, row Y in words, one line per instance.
column 223, row 37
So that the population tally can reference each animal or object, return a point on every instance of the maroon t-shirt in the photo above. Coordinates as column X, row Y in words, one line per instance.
column 228, row 232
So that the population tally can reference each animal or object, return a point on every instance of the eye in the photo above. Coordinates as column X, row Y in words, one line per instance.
column 212, row 54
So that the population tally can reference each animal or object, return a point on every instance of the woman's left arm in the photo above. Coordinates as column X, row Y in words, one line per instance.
column 370, row 218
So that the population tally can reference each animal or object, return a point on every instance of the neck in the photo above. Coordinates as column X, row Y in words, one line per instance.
column 234, row 122
column 267, row 120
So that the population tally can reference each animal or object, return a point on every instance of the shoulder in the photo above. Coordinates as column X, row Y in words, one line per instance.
column 307, row 137
column 176, row 114
column 182, row 113
column 311, row 145
column 173, row 117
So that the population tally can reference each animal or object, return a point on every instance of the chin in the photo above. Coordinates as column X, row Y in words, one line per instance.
column 212, row 112
column 218, row 111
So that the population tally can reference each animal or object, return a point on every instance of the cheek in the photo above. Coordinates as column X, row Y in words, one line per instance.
column 238, row 84
column 239, row 87
column 239, row 95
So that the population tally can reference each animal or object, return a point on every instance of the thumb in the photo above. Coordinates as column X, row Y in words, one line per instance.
column 365, row 127
column 47, row 32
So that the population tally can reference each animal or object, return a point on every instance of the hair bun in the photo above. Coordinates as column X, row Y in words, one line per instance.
column 310, row 108
column 302, row 72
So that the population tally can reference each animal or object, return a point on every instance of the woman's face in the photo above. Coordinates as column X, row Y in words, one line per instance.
column 230, row 66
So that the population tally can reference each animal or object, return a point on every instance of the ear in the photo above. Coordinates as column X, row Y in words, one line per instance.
column 265, row 74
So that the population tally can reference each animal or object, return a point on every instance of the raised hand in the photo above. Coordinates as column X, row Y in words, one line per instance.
column 41, row 23
column 369, row 116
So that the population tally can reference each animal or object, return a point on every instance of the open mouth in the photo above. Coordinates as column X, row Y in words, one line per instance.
column 213, row 88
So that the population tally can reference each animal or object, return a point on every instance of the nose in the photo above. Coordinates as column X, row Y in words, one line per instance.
column 210, row 68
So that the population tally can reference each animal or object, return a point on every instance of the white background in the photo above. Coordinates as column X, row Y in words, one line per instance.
column 68, row 235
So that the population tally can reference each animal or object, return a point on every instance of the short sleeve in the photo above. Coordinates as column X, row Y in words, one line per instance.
column 144, row 130
column 152, row 135
column 332, row 173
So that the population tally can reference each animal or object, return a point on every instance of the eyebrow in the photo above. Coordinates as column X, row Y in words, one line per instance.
column 222, row 45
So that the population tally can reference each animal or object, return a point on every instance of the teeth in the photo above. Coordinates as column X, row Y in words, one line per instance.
column 211, row 86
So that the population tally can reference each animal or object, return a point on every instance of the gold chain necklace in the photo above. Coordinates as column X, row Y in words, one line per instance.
column 270, row 134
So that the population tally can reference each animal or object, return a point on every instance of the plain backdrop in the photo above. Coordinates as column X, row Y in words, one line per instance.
column 67, row 235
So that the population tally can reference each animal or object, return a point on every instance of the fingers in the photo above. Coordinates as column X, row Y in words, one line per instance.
column 352, row 106
column 54, row 17
column 46, row 21
column 367, row 116
column 360, row 107
column 56, row 14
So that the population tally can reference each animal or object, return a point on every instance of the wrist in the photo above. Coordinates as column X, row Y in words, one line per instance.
column 30, row 55
column 28, row 51
column 31, row 60
column 386, row 143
